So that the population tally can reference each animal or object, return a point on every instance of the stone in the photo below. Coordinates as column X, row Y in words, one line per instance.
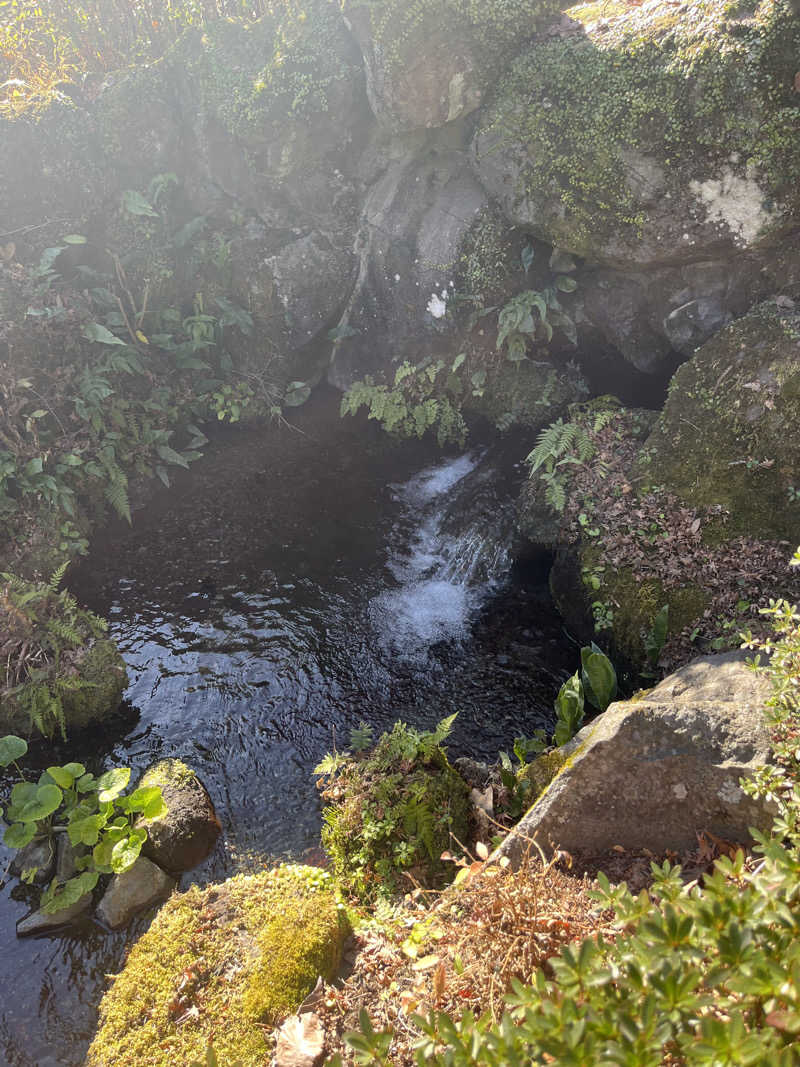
column 41, row 923
column 312, row 281
column 135, row 890
column 183, row 837
column 653, row 771
column 729, row 433
column 39, row 854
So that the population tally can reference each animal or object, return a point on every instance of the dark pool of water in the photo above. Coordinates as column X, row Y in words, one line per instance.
column 297, row 582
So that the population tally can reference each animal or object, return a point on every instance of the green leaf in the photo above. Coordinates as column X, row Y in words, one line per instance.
column 61, row 776
column 75, row 769
column 565, row 284
column 112, row 783
column 33, row 466
column 47, row 259
column 74, row 239
column 169, row 455
column 458, row 362
column 85, row 830
column 527, row 256
column 296, row 394
column 148, row 800
column 57, row 896
column 135, row 204
column 126, row 852
column 598, row 677
column 12, row 748
column 46, row 800
column 86, row 783
column 94, row 331
column 20, row 834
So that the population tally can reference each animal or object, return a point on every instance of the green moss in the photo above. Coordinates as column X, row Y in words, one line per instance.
column 243, row 954
column 541, row 771
column 729, row 433
column 660, row 79
column 169, row 772
column 495, row 27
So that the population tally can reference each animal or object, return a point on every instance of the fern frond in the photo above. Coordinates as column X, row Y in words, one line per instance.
column 57, row 577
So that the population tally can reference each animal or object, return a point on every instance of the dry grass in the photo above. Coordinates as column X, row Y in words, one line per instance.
column 461, row 951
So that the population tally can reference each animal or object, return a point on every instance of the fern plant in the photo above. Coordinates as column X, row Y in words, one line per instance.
column 417, row 403
column 391, row 810
column 559, row 446
column 41, row 627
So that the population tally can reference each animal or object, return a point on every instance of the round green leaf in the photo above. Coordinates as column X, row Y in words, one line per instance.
column 61, row 776
column 111, row 784
column 75, row 769
column 47, row 800
column 12, row 748
column 126, row 852
column 19, row 835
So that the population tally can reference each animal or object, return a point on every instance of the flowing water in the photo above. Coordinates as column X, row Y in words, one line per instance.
column 297, row 582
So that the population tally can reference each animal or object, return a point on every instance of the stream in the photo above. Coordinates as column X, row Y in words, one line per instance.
column 297, row 581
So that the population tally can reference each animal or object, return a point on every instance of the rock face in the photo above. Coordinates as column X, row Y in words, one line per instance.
column 140, row 887
column 614, row 139
column 429, row 63
column 245, row 952
column 729, row 433
column 186, row 834
column 651, row 772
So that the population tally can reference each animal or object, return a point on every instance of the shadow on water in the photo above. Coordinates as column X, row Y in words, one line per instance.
column 297, row 582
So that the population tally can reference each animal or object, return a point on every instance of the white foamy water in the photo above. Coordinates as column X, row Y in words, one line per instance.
column 442, row 578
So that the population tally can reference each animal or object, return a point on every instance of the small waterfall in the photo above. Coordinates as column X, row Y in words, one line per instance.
column 447, row 553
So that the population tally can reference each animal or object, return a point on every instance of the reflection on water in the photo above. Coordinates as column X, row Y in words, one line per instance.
column 297, row 582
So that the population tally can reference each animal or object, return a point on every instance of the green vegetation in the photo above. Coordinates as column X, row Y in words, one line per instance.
column 43, row 46
column 414, row 405
column 691, row 974
column 107, row 374
column 225, row 963
column 94, row 813
column 57, row 668
column 655, row 81
column 393, row 810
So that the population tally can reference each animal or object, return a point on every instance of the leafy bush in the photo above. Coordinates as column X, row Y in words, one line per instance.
column 392, row 810
column 93, row 812
column 414, row 405
column 43, row 45
column 42, row 629
column 135, row 370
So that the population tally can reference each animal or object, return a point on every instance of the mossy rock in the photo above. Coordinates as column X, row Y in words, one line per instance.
column 184, row 836
column 531, row 393
column 224, row 965
column 651, row 133
column 101, row 667
column 429, row 63
column 629, row 608
column 392, row 813
column 729, row 433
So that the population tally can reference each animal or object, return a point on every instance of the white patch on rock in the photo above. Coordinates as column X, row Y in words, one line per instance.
column 437, row 305
column 736, row 202
column 680, row 791
column 730, row 792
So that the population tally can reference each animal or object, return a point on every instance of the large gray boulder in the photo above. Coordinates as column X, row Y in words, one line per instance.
column 653, row 771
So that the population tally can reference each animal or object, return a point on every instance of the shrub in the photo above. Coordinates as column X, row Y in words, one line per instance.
column 392, row 810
